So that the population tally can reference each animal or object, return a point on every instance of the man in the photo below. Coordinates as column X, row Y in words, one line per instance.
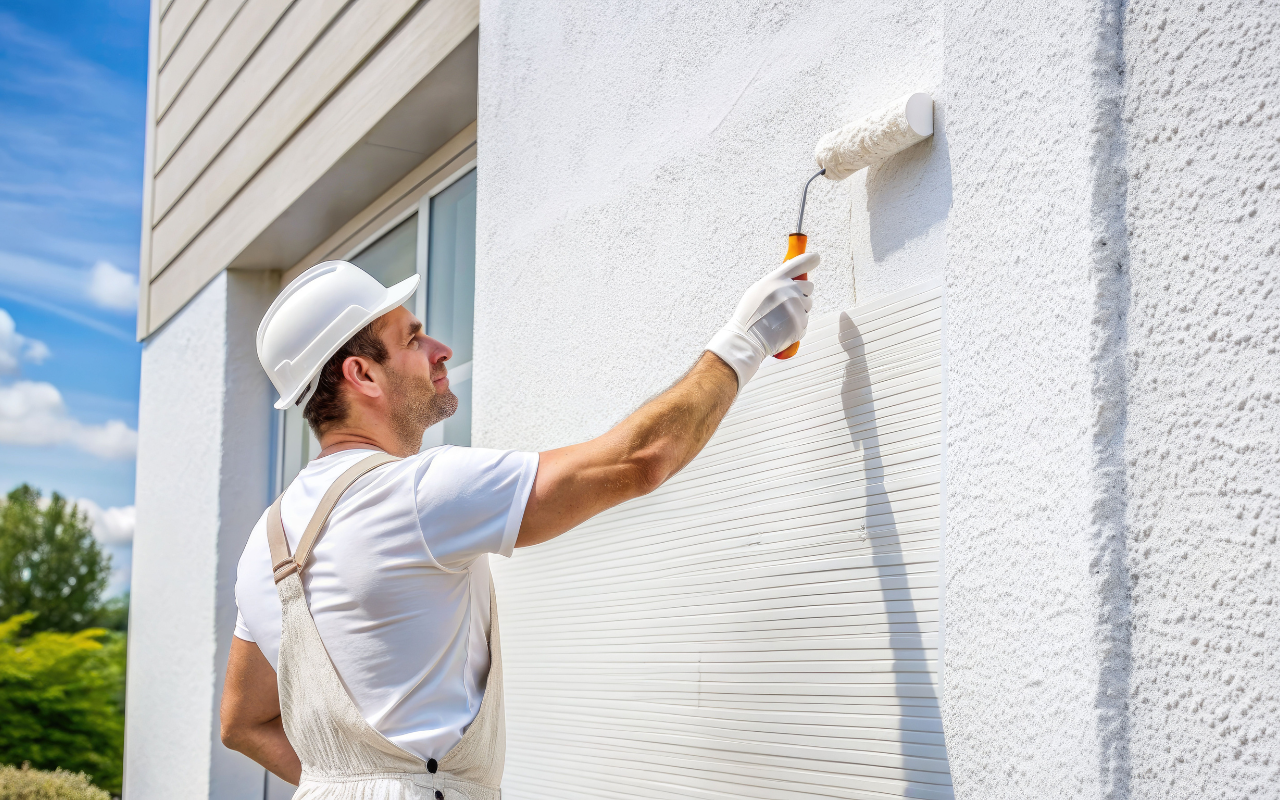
column 395, row 690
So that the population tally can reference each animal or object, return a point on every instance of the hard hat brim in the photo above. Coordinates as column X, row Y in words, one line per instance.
column 395, row 296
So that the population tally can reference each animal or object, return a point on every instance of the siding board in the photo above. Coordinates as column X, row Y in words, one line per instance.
column 767, row 623
column 256, row 84
column 231, row 52
column 205, row 32
column 182, row 212
column 202, row 247
column 174, row 26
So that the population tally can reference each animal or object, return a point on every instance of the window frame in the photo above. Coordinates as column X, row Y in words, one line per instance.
column 423, row 209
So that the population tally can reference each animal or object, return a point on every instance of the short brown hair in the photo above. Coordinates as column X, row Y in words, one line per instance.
column 327, row 405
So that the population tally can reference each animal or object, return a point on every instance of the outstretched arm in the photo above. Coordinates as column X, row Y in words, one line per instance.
column 575, row 483
column 639, row 454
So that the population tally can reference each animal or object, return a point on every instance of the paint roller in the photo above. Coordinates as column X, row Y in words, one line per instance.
column 859, row 144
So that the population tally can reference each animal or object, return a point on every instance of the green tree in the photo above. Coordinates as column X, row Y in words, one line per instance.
column 62, row 701
column 50, row 564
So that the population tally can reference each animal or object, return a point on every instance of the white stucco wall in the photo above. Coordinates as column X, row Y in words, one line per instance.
column 1035, row 613
column 1100, row 199
column 203, row 456
column 641, row 165
column 1203, row 441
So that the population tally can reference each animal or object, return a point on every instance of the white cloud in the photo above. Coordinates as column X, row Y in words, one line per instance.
column 33, row 413
column 60, row 289
column 110, row 525
column 113, row 288
column 14, row 347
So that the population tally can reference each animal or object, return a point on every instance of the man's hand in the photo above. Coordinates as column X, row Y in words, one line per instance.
column 575, row 483
column 251, row 720
column 773, row 315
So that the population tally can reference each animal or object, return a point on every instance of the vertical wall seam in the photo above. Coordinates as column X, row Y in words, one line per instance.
column 1110, row 284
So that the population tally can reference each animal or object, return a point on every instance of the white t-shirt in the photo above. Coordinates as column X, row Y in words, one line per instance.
column 398, row 582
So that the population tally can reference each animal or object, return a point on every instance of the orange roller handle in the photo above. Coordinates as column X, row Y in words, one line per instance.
column 795, row 246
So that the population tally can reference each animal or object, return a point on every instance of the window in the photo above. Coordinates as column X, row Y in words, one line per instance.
column 437, row 239
column 451, row 292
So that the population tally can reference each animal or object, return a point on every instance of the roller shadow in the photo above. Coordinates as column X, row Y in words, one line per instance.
column 920, row 733
column 910, row 192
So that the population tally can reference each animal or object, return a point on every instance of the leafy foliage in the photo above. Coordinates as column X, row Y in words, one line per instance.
column 50, row 564
column 24, row 783
column 114, row 614
column 62, row 701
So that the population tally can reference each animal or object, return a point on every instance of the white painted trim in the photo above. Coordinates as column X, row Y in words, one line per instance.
column 404, row 194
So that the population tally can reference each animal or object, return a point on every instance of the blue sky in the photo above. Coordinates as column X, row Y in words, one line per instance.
column 72, row 102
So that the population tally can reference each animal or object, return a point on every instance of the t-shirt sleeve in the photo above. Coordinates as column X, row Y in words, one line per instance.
column 471, row 501
column 242, row 630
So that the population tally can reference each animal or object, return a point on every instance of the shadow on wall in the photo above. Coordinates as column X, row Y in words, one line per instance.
column 913, row 689
column 909, row 193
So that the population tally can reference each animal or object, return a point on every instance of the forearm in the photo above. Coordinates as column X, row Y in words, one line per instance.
column 575, row 483
column 267, row 744
column 665, row 434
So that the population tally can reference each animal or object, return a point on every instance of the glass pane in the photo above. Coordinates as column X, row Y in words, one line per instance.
column 298, row 445
column 451, row 271
column 394, row 257
column 457, row 429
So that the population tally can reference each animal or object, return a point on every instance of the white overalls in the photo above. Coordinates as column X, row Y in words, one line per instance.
column 343, row 757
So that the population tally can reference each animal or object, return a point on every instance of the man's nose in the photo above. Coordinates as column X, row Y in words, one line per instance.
column 439, row 351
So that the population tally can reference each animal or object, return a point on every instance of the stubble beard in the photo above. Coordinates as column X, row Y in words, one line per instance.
column 416, row 407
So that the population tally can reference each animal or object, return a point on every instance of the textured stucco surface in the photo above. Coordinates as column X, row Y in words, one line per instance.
column 1203, row 110
column 203, row 452
column 1029, row 701
column 1112, row 404
column 641, row 165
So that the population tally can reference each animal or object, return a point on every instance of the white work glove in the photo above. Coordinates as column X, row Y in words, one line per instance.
column 772, row 315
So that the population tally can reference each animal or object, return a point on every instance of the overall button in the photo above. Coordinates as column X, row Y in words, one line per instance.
column 432, row 766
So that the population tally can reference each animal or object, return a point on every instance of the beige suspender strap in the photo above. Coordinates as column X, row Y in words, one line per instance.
column 276, row 539
column 284, row 565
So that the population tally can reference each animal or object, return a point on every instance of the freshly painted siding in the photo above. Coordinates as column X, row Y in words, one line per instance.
column 767, row 623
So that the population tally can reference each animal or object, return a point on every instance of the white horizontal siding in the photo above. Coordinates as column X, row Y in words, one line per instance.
column 766, row 624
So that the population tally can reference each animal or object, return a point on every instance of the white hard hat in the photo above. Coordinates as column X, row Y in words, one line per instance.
column 314, row 317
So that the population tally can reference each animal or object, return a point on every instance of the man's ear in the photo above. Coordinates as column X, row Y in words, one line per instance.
column 357, row 374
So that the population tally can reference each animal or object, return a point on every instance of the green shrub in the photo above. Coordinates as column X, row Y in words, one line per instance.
column 62, row 701
column 24, row 783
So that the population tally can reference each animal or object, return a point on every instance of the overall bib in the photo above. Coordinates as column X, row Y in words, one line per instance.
column 343, row 757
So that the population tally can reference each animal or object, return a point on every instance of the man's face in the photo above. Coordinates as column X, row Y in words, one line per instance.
column 418, row 394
